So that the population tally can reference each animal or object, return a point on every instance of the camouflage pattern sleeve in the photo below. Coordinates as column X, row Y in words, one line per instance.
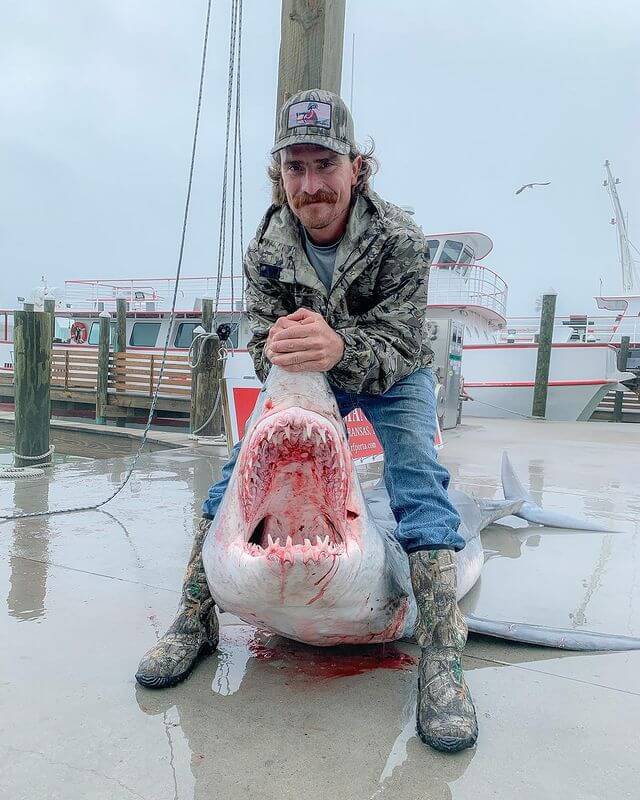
column 383, row 344
column 266, row 300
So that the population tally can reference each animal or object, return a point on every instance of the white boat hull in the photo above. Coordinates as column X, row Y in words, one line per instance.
column 500, row 379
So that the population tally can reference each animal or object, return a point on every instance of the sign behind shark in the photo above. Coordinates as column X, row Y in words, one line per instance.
column 298, row 548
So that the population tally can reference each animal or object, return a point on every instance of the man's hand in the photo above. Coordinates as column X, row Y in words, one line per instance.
column 304, row 342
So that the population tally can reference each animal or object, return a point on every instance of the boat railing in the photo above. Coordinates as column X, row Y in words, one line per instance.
column 144, row 293
column 587, row 328
column 467, row 285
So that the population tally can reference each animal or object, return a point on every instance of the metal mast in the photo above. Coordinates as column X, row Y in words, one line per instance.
column 624, row 250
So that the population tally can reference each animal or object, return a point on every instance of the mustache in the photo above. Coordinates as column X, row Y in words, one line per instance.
column 321, row 196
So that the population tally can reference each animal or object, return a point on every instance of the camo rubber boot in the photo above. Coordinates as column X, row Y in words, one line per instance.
column 193, row 633
column 446, row 717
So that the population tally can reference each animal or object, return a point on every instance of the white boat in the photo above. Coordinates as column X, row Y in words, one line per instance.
column 499, row 374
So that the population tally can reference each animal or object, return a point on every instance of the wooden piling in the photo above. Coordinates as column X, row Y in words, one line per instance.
column 623, row 355
column 205, row 381
column 102, row 380
column 32, row 374
column 545, row 337
column 50, row 308
column 121, row 341
column 311, row 46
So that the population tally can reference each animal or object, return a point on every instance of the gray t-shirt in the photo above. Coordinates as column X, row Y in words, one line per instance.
column 323, row 259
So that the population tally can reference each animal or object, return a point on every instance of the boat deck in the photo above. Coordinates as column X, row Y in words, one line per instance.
column 87, row 593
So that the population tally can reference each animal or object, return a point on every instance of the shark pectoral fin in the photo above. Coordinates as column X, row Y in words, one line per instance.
column 533, row 512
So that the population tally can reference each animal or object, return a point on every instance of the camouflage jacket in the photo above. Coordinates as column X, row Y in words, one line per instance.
column 378, row 296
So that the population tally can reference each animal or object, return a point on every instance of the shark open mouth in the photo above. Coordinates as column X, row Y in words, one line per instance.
column 294, row 487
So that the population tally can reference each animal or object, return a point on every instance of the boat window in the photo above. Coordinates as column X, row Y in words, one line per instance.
column 433, row 248
column 611, row 305
column 94, row 334
column 466, row 257
column 450, row 252
column 62, row 329
column 184, row 335
column 144, row 334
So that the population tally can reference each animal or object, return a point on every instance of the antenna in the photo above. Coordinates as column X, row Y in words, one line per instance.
column 619, row 219
column 353, row 58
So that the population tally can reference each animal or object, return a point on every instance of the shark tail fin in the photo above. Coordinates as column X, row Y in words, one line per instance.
column 532, row 511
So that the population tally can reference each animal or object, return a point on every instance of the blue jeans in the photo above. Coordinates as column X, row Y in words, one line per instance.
column 404, row 419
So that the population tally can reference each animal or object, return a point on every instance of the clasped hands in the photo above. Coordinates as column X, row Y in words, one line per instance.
column 304, row 342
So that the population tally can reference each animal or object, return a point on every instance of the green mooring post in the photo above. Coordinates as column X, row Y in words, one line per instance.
column 102, row 380
column 205, row 381
column 32, row 372
column 121, row 340
column 623, row 355
column 539, row 408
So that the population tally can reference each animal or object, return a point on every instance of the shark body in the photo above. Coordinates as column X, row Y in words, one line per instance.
column 297, row 547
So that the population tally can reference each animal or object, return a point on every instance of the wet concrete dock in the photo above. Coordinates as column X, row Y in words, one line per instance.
column 84, row 595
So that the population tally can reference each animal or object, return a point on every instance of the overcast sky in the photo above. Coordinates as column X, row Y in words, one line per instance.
column 466, row 101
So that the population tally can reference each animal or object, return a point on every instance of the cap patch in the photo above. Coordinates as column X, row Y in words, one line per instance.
column 310, row 112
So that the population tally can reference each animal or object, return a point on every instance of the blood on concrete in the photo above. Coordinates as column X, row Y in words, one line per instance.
column 328, row 663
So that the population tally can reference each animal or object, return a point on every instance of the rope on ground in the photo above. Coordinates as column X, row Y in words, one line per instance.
column 183, row 236
column 11, row 473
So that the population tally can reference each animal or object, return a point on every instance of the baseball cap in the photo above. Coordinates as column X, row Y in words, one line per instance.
column 315, row 116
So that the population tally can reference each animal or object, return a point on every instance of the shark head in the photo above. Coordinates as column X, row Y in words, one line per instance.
column 293, row 546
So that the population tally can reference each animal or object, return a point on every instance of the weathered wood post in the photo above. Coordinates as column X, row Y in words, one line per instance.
column 121, row 344
column 205, row 380
column 32, row 371
column 311, row 45
column 623, row 355
column 539, row 408
column 50, row 308
column 102, row 379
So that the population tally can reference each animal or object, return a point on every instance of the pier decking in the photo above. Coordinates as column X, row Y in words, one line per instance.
column 85, row 594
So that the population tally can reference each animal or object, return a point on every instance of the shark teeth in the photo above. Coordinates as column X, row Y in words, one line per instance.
column 289, row 552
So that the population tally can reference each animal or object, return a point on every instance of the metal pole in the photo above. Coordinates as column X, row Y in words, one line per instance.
column 623, row 355
column 32, row 372
column 539, row 408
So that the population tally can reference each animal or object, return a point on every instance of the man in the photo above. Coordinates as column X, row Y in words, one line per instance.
column 337, row 282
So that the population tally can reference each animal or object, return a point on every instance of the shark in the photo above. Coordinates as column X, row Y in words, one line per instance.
column 300, row 548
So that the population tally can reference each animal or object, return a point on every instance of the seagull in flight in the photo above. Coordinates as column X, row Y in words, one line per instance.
column 530, row 186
